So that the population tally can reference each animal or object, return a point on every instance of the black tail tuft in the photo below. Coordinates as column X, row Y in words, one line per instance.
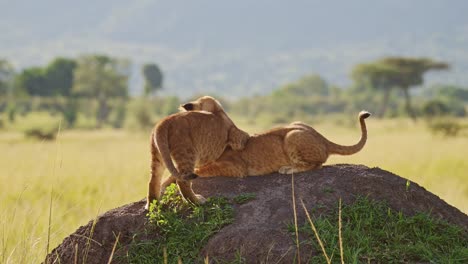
column 364, row 114
column 189, row 177
column 192, row 176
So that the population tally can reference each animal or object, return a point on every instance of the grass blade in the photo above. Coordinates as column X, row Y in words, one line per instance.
column 339, row 233
column 113, row 249
column 316, row 233
column 295, row 219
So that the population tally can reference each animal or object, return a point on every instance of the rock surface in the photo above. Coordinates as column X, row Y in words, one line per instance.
column 259, row 229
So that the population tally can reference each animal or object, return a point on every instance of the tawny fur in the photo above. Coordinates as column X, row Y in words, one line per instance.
column 191, row 139
column 290, row 149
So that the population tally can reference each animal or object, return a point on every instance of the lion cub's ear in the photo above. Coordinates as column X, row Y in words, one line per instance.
column 205, row 103
column 187, row 107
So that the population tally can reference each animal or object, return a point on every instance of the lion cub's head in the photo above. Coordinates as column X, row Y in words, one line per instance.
column 204, row 103
column 237, row 138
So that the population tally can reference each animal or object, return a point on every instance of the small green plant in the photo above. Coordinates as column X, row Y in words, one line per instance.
column 328, row 190
column 182, row 229
column 244, row 198
column 408, row 183
column 372, row 232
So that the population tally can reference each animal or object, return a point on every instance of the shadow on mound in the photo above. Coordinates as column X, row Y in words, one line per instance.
column 258, row 231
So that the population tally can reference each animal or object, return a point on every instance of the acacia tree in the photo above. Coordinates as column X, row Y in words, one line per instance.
column 59, row 76
column 153, row 78
column 101, row 77
column 33, row 82
column 396, row 72
column 6, row 76
column 54, row 79
column 377, row 76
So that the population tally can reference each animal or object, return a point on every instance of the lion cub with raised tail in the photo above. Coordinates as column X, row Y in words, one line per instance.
column 293, row 148
column 191, row 139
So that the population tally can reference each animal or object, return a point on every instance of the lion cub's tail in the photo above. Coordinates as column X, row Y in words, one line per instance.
column 334, row 148
column 156, row 161
column 161, row 142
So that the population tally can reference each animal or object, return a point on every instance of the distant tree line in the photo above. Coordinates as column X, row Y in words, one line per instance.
column 97, row 86
column 99, row 78
column 381, row 86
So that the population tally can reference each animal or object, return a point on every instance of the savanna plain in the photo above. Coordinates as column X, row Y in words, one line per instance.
column 50, row 188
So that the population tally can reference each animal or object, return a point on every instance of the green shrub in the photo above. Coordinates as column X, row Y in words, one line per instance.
column 441, row 107
column 41, row 133
column 39, row 125
column 444, row 126
column 435, row 108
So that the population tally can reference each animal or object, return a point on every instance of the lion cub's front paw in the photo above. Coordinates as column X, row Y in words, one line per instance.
column 149, row 200
column 147, row 206
column 200, row 199
column 286, row 170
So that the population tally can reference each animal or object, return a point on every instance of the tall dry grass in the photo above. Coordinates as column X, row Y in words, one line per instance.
column 96, row 171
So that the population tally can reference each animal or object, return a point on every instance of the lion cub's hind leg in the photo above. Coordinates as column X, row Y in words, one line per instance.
column 233, row 167
column 157, row 170
column 185, row 188
column 154, row 186
column 184, row 156
column 304, row 152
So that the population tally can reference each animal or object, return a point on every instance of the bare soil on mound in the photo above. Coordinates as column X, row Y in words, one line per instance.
column 259, row 229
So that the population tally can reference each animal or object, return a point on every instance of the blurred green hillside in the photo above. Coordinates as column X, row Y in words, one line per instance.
column 205, row 47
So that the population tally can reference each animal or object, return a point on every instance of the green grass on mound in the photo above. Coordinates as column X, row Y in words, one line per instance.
column 182, row 229
column 372, row 232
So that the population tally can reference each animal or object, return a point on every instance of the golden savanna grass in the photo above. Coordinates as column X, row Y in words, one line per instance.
column 89, row 172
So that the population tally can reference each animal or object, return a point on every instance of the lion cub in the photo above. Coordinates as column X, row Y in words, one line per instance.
column 293, row 148
column 191, row 139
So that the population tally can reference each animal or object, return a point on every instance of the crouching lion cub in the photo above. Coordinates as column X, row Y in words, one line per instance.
column 191, row 139
column 293, row 148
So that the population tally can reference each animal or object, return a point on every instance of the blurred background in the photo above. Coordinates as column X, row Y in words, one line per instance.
column 83, row 82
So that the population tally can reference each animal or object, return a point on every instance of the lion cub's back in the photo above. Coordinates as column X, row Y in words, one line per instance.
column 265, row 154
column 207, row 133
